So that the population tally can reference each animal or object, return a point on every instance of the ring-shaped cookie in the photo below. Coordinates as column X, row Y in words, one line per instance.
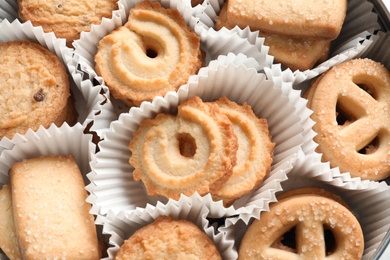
column 153, row 53
column 310, row 215
column 358, row 91
column 194, row 151
column 254, row 154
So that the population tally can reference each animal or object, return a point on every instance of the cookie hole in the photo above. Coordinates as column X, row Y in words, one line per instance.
column 367, row 89
column 287, row 242
column 330, row 241
column 371, row 147
column 187, row 145
column 151, row 53
column 343, row 118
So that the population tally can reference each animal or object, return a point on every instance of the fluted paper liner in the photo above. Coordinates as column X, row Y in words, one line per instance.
column 90, row 104
column 378, row 51
column 212, row 43
column 368, row 200
column 121, row 226
column 64, row 140
column 112, row 187
column 8, row 10
column 52, row 141
column 355, row 36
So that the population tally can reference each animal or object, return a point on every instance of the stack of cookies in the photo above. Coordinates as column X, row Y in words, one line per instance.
column 299, row 33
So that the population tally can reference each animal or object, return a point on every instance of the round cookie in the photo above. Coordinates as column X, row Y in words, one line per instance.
column 166, row 238
column 351, row 104
column 67, row 19
column 35, row 88
column 254, row 154
column 310, row 215
column 194, row 151
column 153, row 53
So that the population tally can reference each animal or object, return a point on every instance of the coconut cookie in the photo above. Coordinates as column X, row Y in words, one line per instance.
column 167, row 238
column 67, row 19
column 35, row 88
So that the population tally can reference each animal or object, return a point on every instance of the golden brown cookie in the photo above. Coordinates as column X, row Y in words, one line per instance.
column 153, row 53
column 294, row 52
column 35, row 88
column 298, row 18
column 50, row 210
column 8, row 238
column 254, row 154
column 67, row 19
column 310, row 216
column 167, row 238
column 350, row 106
column 194, row 151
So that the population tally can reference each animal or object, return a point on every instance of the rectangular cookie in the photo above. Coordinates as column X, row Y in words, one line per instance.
column 51, row 214
column 299, row 18
column 8, row 240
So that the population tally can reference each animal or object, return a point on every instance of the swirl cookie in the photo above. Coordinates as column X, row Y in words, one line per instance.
column 67, row 19
column 35, row 88
column 193, row 151
column 311, row 216
column 183, row 241
column 153, row 53
column 351, row 104
column 254, row 154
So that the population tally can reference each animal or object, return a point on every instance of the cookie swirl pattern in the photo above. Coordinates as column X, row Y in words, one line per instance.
column 153, row 53
column 193, row 151
column 254, row 154
column 359, row 91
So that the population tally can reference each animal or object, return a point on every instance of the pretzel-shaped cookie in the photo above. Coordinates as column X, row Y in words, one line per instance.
column 359, row 90
column 310, row 215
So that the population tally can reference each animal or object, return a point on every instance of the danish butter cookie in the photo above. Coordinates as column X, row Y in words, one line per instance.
column 50, row 211
column 294, row 52
column 153, row 53
column 254, row 154
column 299, row 18
column 167, row 238
column 8, row 238
column 194, row 151
column 35, row 88
column 67, row 19
column 351, row 104
column 309, row 215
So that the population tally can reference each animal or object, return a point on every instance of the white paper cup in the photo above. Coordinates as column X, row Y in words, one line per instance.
column 112, row 187
column 378, row 51
column 354, row 39
column 213, row 43
column 368, row 200
column 121, row 226
column 64, row 140
column 90, row 104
